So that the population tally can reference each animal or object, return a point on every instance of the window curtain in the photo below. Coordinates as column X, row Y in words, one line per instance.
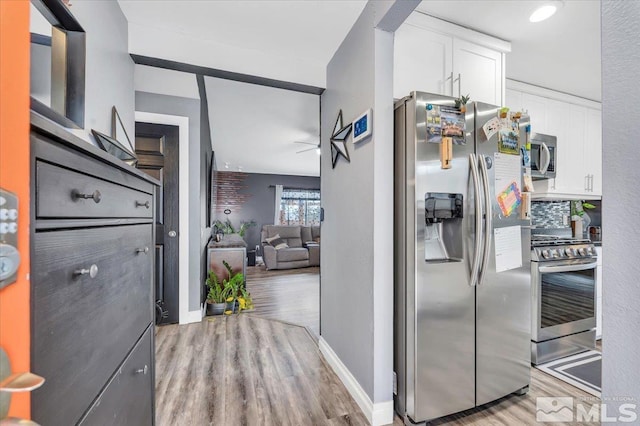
column 276, row 216
column 300, row 207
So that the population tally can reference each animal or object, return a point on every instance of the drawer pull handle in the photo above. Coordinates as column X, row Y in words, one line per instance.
column 141, row 204
column 143, row 250
column 96, row 196
column 143, row 370
column 92, row 271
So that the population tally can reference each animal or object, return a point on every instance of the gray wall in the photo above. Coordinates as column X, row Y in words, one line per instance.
column 621, row 127
column 185, row 107
column 109, row 68
column 260, row 206
column 357, row 247
column 40, row 73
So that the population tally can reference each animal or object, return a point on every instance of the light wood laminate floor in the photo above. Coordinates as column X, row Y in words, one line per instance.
column 250, row 370
column 247, row 370
column 290, row 295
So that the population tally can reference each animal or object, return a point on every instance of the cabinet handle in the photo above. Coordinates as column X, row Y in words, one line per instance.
column 143, row 250
column 591, row 184
column 142, row 370
column 92, row 271
column 141, row 204
column 586, row 183
column 459, row 80
column 450, row 78
column 96, row 196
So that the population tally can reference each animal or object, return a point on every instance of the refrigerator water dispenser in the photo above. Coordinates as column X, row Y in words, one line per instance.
column 443, row 233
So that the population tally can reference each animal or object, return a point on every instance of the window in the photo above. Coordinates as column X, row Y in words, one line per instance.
column 300, row 207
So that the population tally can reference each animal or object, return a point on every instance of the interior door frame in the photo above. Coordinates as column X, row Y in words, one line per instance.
column 184, row 315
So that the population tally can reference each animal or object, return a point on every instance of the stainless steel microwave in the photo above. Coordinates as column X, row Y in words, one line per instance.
column 544, row 156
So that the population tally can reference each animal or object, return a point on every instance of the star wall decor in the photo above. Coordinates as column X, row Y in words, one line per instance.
column 339, row 141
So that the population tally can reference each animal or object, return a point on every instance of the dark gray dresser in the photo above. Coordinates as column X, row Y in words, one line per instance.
column 92, row 248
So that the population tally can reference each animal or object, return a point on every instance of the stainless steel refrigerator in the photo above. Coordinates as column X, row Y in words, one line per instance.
column 462, row 329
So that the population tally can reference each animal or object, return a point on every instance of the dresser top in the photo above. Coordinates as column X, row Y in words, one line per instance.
column 41, row 124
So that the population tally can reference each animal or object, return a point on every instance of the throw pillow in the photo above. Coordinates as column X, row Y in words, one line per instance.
column 279, row 243
column 275, row 237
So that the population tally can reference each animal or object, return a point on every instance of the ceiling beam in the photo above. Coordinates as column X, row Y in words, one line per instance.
column 226, row 75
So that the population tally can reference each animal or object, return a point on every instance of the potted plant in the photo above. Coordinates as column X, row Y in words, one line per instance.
column 229, row 296
column 461, row 103
column 216, row 297
column 244, row 226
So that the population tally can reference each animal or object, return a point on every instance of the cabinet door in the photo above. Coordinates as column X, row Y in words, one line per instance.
column 572, row 169
column 422, row 61
column 480, row 71
column 557, row 125
column 127, row 400
column 536, row 107
column 513, row 100
column 593, row 150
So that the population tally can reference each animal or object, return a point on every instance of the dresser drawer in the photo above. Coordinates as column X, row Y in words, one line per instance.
column 127, row 398
column 85, row 321
column 62, row 193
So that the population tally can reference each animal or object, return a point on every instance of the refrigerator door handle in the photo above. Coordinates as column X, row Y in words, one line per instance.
column 547, row 161
column 488, row 217
column 475, row 267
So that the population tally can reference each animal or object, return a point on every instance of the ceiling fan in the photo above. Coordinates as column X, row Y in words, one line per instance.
column 314, row 146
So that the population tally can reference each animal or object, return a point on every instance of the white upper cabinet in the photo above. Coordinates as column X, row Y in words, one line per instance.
column 477, row 71
column 593, row 150
column 422, row 62
column 513, row 99
column 577, row 124
column 537, row 109
column 435, row 56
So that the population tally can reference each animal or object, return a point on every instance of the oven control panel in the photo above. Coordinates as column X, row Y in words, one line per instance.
column 550, row 253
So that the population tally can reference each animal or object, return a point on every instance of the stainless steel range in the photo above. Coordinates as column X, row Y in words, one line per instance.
column 563, row 285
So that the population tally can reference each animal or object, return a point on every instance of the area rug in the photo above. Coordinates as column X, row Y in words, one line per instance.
column 583, row 371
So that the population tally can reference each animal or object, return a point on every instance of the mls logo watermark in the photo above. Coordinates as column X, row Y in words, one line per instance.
column 568, row 409
column 549, row 409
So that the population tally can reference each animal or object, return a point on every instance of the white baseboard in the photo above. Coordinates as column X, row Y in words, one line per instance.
column 192, row 316
column 378, row 414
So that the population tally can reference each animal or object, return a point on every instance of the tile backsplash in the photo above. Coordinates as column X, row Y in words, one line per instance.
column 550, row 214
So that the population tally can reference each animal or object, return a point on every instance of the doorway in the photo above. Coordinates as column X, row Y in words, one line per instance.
column 157, row 148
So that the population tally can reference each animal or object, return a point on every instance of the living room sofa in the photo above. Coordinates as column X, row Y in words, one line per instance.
column 303, row 246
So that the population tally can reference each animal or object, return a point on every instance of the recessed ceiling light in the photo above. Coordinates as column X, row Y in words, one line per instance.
column 543, row 12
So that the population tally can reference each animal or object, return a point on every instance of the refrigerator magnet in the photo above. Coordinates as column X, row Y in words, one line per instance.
column 446, row 152
column 510, row 199
column 508, row 141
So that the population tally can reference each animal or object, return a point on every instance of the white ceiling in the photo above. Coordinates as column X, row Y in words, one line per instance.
column 254, row 127
column 561, row 53
column 303, row 33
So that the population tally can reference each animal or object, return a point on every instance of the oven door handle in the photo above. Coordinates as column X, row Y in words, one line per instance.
column 567, row 268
